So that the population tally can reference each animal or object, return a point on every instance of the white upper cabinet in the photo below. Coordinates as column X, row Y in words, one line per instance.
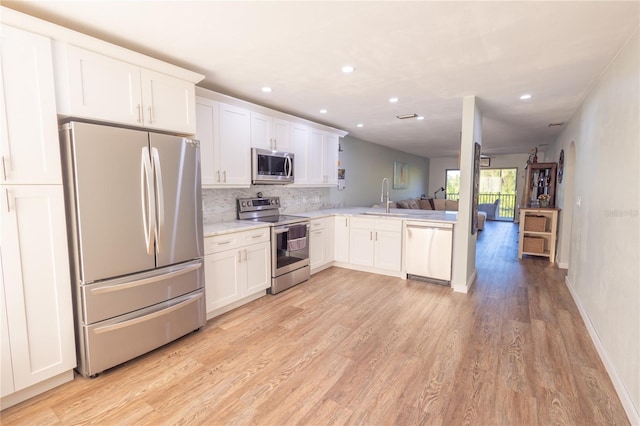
column 261, row 125
column 91, row 85
column 234, row 140
column 316, row 160
column 281, row 134
column 169, row 103
column 206, row 119
column 300, row 146
column 224, row 134
column 268, row 132
column 29, row 147
column 331, row 146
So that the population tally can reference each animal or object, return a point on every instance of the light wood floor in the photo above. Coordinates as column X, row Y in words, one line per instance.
column 354, row 348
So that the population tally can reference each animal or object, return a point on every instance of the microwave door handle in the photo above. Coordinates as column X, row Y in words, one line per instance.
column 290, row 169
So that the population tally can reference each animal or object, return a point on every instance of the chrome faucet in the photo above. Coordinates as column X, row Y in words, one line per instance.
column 382, row 194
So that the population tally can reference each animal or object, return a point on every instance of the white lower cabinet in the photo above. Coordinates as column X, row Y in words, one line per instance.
column 321, row 243
column 37, row 315
column 376, row 243
column 237, row 269
column 341, row 239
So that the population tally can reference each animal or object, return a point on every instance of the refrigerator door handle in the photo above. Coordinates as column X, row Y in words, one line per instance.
column 148, row 204
column 159, row 198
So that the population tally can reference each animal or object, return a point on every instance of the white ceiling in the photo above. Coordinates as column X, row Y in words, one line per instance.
column 429, row 54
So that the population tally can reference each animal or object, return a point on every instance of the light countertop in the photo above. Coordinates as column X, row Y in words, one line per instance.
column 401, row 214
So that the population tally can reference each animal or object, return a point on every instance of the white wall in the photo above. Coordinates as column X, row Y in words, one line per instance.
column 366, row 164
column 603, row 250
column 464, row 242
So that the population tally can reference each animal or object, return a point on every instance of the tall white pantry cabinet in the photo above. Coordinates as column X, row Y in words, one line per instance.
column 36, row 318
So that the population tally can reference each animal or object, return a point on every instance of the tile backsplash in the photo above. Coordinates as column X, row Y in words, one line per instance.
column 219, row 204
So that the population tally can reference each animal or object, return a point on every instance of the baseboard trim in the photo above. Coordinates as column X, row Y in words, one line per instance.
column 467, row 286
column 36, row 389
column 618, row 384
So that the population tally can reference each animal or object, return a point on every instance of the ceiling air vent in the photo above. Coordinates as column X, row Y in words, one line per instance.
column 556, row 124
column 405, row 116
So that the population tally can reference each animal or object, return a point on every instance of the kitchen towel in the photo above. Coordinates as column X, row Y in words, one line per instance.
column 297, row 237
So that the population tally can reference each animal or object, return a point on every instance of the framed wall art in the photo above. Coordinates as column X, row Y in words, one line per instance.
column 400, row 175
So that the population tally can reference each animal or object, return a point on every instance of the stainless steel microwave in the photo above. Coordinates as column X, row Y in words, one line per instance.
column 271, row 167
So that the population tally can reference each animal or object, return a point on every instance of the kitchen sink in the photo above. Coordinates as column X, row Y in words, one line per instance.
column 384, row 214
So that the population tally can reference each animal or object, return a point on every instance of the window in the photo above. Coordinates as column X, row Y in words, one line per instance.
column 494, row 184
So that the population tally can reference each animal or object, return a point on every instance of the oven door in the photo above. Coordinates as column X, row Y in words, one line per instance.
column 270, row 167
column 287, row 253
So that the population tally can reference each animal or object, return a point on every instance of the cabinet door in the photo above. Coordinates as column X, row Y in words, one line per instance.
column 206, row 117
column 37, row 282
column 261, row 131
column 103, row 88
column 329, row 248
column 361, row 246
column 388, row 253
column 341, row 239
column 233, row 147
column 6, row 369
column 317, row 243
column 223, row 277
column 169, row 102
column 315, row 157
column 281, row 133
column 29, row 147
column 257, row 259
column 299, row 146
column 330, row 159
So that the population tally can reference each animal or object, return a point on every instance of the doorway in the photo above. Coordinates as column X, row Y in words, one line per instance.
column 494, row 184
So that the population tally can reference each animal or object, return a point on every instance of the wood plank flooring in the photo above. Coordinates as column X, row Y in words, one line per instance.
column 349, row 347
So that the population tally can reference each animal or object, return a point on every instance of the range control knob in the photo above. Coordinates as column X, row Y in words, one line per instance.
column 244, row 204
column 249, row 203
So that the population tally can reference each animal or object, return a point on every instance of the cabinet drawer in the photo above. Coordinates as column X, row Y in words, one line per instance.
column 362, row 222
column 393, row 225
column 120, row 339
column 317, row 224
column 234, row 240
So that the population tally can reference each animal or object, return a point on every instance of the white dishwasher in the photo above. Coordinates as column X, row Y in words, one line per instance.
column 428, row 250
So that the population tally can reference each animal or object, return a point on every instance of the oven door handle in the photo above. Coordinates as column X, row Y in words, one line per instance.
column 284, row 229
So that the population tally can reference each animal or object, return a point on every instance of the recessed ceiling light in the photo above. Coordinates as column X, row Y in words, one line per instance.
column 393, row 100
column 267, row 89
column 348, row 69
column 525, row 97
column 360, row 125
column 323, row 111
column 419, row 117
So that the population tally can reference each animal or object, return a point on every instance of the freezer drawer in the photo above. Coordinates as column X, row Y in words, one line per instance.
column 115, row 341
column 112, row 298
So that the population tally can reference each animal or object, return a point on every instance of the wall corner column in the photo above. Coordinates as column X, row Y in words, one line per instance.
column 464, row 243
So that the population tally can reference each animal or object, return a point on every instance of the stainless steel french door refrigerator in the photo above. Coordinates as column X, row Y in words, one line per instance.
column 133, row 202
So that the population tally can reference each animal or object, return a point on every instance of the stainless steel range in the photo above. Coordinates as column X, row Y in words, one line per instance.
column 289, row 240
